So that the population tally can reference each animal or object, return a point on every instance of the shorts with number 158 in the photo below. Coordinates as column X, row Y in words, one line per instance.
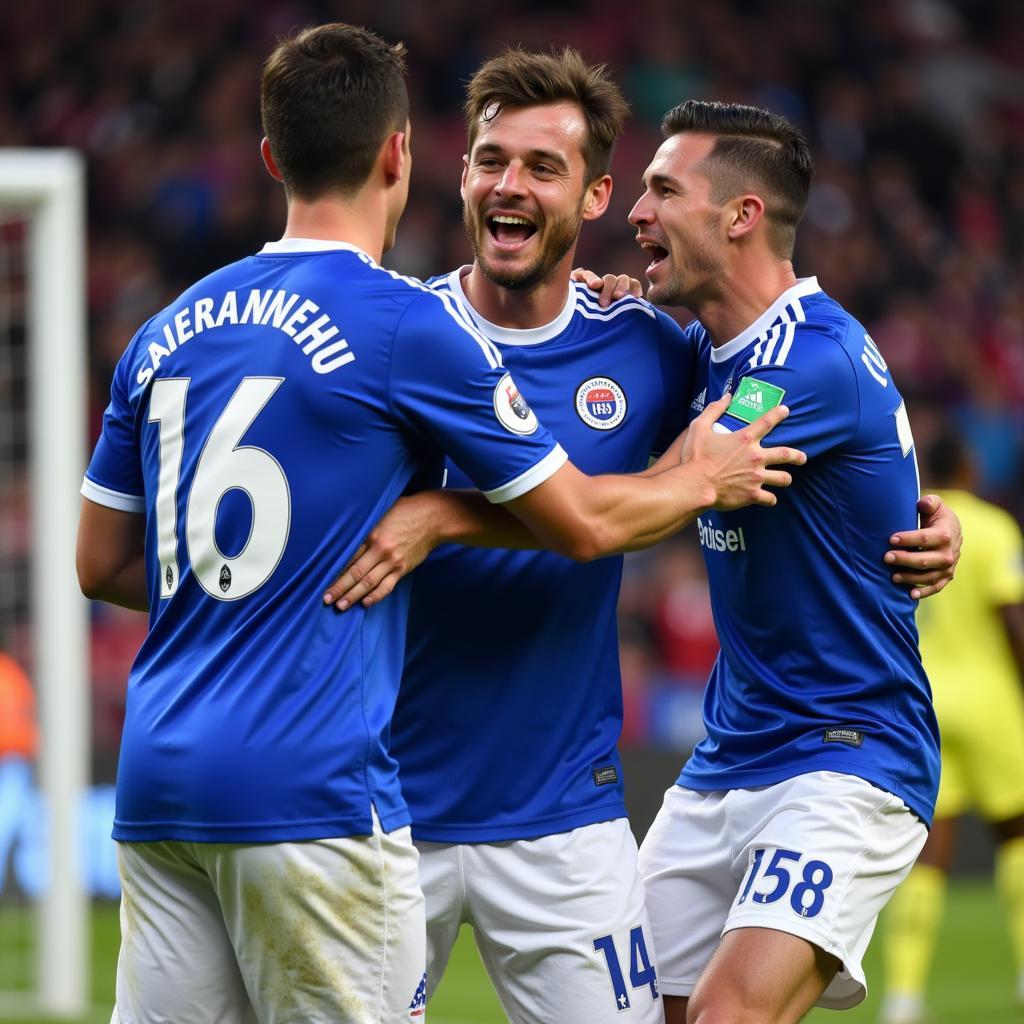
column 816, row 856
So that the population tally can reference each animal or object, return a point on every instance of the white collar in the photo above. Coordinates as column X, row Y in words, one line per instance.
column 287, row 245
column 805, row 286
column 512, row 335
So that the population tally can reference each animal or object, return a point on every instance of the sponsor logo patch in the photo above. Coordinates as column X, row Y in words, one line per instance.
column 851, row 737
column 601, row 403
column 605, row 776
column 720, row 540
column 511, row 409
column 753, row 398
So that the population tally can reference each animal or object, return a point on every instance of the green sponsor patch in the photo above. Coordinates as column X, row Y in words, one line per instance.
column 754, row 397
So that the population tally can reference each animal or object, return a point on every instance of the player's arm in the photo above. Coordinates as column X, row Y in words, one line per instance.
column 672, row 456
column 111, row 556
column 821, row 420
column 578, row 516
column 926, row 559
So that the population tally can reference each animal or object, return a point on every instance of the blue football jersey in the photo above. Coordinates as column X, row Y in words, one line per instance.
column 263, row 423
column 819, row 667
column 511, row 699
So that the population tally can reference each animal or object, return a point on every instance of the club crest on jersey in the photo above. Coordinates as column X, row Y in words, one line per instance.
column 601, row 403
column 511, row 409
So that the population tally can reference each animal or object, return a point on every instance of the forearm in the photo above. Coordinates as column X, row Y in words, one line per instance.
column 467, row 517
column 616, row 513
column 672, row 456
column 630, row 519
column 586, row 518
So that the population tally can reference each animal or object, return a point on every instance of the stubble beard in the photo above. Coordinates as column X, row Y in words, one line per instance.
column 688, row 284
column 561, row 237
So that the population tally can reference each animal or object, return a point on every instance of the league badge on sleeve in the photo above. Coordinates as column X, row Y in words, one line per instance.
column 601, row 403
column 511, row 409
column 753, row 398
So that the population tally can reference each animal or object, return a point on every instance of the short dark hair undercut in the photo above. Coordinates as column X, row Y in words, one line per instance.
column 755, row 151
column 517, row 78
column 329, row 96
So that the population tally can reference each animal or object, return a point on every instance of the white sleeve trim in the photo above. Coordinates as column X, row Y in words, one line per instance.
column 112, row 499
column 533, row 477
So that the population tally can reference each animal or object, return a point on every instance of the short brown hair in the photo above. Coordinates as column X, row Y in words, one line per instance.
column 517, row 78
column 329, row 97
column 755, row 151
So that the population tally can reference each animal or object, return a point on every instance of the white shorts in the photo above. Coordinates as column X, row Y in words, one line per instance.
column 559, row 921
column 328, row 930
column 816, row 856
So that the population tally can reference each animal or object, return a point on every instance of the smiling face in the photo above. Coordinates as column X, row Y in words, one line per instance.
column 525, row 193
column 678, row 223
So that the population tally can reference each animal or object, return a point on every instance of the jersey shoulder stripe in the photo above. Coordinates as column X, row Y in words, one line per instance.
column 773, row 346
column 589, row 307
column 489, row 349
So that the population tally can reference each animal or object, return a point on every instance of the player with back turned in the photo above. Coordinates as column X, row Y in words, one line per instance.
column 809, row 799
column 257, row 427
column 511, row 705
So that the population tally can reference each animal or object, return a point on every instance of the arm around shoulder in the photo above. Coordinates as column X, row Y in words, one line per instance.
column 589, row 517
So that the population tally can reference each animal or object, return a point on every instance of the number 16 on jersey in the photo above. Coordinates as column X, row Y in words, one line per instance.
column 223, row 465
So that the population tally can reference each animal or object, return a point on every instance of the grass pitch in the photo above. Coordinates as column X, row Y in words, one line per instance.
column 972, row 981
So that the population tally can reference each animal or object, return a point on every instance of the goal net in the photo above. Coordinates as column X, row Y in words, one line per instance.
column 43, row 617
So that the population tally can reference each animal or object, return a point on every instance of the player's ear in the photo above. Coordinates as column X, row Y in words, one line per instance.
column 744, row 213
column 395, row 157
column 465, row 174
column 599, row 192
column 269, row 161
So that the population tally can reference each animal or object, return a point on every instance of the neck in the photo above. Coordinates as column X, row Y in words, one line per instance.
column 741, row 297
column 519, row 309
column 359, row 222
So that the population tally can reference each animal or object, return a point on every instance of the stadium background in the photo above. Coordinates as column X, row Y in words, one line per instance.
column 914, row 108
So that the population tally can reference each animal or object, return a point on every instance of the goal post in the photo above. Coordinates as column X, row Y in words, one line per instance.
column 46, row 188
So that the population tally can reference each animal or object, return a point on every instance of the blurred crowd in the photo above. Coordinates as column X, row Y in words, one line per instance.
column 914, row 108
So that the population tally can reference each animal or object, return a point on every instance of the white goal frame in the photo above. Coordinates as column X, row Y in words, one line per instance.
column 47, row 188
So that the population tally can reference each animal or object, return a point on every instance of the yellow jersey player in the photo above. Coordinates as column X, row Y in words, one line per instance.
column 972, row 645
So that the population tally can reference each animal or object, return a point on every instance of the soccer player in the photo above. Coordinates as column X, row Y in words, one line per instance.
column 257, row 427
column 808, row 801
column 511, row 705
column 972, row 645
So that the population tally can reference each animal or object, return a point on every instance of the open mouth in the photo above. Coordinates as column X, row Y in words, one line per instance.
column 510, row 230
column 657, row 253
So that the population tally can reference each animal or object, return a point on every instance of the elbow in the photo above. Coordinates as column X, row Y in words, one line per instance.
column 587, row 542
column 90, row 588
column 90, row 581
